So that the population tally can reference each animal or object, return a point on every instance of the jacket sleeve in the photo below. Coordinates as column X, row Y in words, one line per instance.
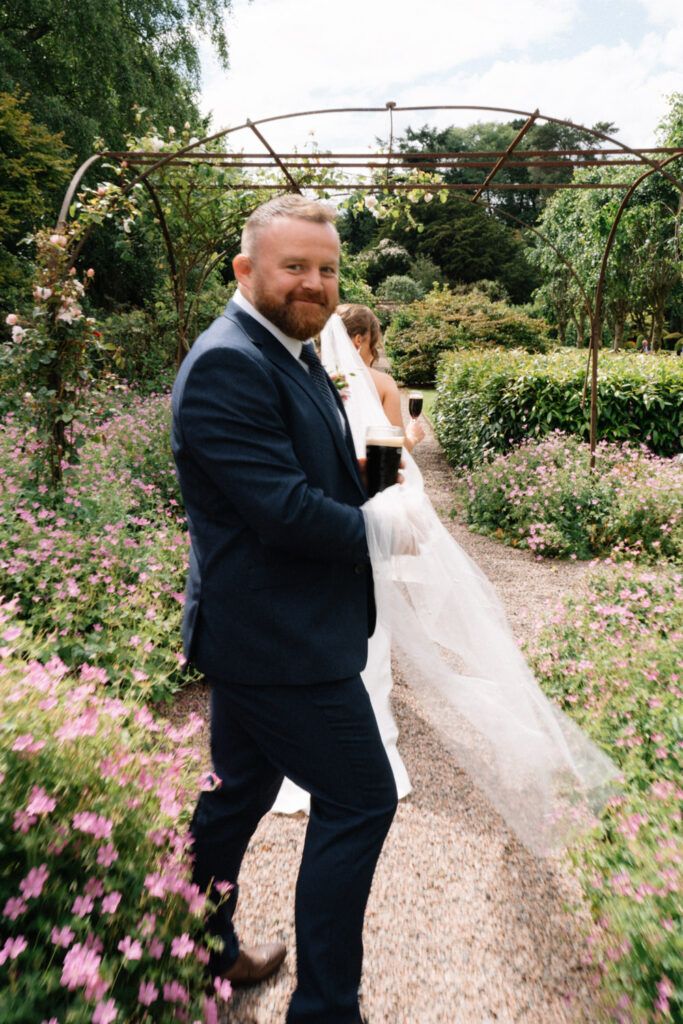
column 230, row 420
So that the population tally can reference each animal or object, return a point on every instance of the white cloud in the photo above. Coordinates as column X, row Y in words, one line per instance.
column 292, row 55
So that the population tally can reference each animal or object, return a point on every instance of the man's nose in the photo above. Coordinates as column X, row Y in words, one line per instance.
column 312, row 280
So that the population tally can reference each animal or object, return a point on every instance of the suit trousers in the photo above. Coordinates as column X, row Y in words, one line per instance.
column 325, row 738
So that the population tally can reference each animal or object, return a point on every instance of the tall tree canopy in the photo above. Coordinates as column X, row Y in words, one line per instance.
column 497, row 136
column 85, row 65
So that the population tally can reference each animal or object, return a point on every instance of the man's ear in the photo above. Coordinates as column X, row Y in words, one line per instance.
column 242, row 266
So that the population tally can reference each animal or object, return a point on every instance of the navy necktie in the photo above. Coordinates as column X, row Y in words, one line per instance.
column 319, row 378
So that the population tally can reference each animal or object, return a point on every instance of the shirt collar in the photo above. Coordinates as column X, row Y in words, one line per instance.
column 293, row 345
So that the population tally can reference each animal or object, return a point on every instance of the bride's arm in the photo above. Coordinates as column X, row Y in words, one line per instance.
column 390, row 397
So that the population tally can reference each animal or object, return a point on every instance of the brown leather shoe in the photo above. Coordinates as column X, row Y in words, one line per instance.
column 255, row 964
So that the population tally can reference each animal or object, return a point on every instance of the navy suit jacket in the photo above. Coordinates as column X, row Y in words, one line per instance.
column 279, row 589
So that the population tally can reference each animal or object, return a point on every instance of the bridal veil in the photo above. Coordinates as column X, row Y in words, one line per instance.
column 537, row 768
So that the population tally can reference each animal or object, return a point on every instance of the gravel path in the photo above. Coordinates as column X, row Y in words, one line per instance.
column 464, row 926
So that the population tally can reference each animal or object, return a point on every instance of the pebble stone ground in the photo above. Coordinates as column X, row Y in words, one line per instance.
column 464, row 926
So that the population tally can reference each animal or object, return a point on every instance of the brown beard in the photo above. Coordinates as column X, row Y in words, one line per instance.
column 300, row 322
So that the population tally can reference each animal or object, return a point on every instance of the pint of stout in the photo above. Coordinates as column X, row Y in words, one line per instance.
column 383, row 448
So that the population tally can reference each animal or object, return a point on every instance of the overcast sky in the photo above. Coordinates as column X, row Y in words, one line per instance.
column 586, row 60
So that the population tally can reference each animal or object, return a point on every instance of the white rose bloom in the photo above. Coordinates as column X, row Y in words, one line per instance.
column 370, row 203
column 428, row 196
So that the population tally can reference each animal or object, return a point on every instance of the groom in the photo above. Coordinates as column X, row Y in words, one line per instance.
column 280, row 603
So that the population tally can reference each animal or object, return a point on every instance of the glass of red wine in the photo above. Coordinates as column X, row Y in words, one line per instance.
column 415, row 404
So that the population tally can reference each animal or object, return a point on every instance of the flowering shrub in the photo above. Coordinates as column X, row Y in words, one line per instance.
column 98, row 569
column 487, row 402
column 544, row 496
column 613, row 660
column 51, row 350
column 444, row 320
column 100, row 921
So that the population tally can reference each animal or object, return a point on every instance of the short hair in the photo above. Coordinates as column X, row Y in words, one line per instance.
column 288, row 205
column 361, row 320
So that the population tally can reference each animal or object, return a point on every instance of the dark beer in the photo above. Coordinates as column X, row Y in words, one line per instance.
column 383, row 448
column 415, row 404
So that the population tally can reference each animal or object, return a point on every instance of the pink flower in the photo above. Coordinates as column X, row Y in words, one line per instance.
column 40, row 802
column 93, row 824
column 131, row 948
column 90, row 272
column 110, row 902
column 223, row 988
column 156, row 949
column 11, row 319
column 148, row 924
column 182, row 946
column 81, row 967
column 14, row 908
column 27, row 744
column 32, row 886
column 175, row 993
column 105, row 1013
column 210, row 1011
column 62, row 937
column 147, row 993
column 82, row 905
column 13, row 948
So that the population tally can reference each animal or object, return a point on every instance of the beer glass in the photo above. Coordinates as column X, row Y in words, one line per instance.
column 383, row 448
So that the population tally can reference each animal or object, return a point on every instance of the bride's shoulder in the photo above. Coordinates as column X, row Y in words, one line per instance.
column 384, row 382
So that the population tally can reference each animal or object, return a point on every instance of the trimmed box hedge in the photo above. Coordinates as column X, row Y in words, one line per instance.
column 488, row 402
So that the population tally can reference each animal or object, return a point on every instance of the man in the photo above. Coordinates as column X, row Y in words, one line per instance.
column 280, row 603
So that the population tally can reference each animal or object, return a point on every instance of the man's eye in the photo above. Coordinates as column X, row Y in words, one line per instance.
column 294, row 266
column 328, row 271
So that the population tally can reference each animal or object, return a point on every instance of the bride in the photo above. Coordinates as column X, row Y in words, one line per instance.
column 350, row 348
column 536, row 767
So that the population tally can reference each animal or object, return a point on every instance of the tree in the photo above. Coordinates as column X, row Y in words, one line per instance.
column 644, row 267
column 468, row 244
column 525, row 205
column 137, row 51
column 33, row 164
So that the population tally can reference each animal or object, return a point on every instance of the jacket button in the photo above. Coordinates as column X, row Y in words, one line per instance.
column 359, row 568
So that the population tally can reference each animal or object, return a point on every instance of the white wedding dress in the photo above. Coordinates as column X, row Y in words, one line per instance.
column 537, row 768
column 377, row 673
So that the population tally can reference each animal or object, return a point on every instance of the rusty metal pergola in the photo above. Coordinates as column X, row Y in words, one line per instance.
column 382, row 171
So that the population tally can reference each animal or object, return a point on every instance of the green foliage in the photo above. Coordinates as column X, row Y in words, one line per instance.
column 468, row 245
column 489, row 401
column 97, row 568
column 94, row 871
column 424, row 270
column 137, row 349
column 525, row 205
column 51, row 352
column 612, row 660
column 544, row 496
column 387, row 259
column 85, row 66
column 399, row 288
column 34, row 164
column 446, row 320
column 352, row 284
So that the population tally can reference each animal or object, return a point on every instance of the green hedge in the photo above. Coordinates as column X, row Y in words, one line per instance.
column 487, row 402
column 444, row 320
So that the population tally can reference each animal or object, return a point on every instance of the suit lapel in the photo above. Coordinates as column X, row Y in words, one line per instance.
column 278, row 354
